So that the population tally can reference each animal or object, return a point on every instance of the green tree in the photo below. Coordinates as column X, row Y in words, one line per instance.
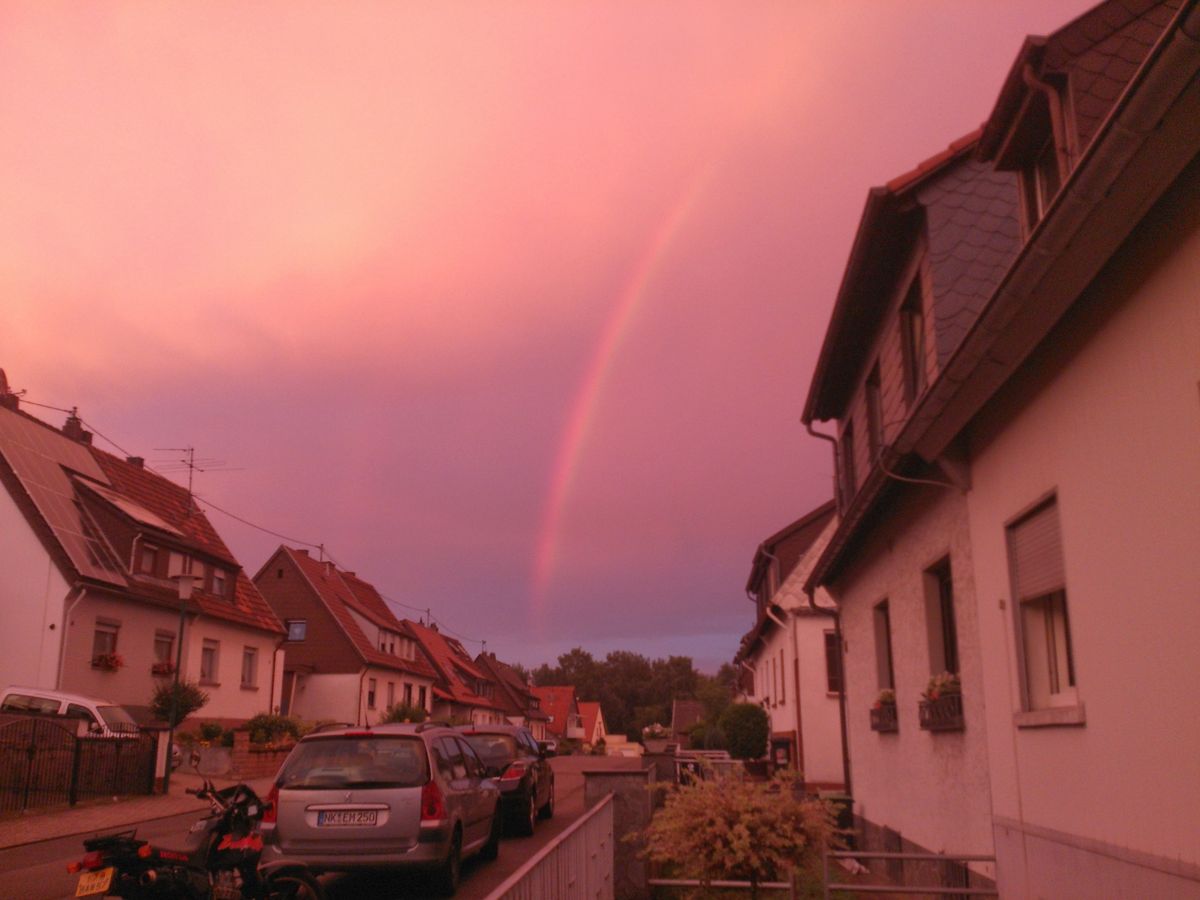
column 746, row 727
column 731, row 829
column 187, row 698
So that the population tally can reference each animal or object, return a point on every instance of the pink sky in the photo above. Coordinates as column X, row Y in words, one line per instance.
column 513, row 306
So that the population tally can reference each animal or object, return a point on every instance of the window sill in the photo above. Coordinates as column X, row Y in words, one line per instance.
column 204, row 683
column 249, row 687
column 1051, row 717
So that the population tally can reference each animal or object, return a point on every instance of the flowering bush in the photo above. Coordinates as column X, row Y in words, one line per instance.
column 887, row 697
column 654, row 731
column 942, row 685
column 108, row 661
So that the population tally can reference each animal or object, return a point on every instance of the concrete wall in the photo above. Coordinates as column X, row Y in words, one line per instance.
column 32, row 594
column 1106, row 416
column 930, row 787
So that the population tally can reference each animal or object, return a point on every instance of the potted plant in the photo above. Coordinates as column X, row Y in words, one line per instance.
column 941, row 707
column 109, row 662
column 883, row 712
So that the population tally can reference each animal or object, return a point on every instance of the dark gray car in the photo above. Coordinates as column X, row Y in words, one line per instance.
column 386, row 797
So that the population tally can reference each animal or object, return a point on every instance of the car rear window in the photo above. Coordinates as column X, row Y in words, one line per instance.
column 117, row 719
column 26, row 704
column 493, row 749
column 363, row 762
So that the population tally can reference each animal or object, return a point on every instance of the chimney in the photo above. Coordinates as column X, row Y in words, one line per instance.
column 137, row 462
column 73, row 428
column 7, row 398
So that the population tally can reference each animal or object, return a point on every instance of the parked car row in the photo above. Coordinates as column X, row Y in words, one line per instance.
column 405, row 796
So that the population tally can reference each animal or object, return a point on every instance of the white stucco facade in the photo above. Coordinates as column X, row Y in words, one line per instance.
column 1106, row 419
column 929, row 787
column 32, row 593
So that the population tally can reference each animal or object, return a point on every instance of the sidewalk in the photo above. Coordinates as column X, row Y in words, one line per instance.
column 96, row 816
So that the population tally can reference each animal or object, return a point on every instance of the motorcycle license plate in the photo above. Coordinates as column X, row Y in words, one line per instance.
column 333, row 817
column 94, row 882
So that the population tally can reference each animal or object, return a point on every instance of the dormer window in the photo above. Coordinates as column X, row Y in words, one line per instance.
column 148, row 561
column 219, row 582
column 1036, row 147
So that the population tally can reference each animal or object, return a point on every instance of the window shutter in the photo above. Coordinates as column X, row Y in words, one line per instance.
column 1037, row 558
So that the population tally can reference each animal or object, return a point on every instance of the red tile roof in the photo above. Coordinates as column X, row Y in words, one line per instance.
column 453, row 665
column 341, row 592
column 515, row 695
column 590, row 712
column 556, row 702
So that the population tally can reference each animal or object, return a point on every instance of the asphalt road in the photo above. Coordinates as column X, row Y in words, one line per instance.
column 38, row 871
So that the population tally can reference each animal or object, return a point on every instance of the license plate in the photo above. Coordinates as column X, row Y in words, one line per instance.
column 334, row 817
column 94, row 882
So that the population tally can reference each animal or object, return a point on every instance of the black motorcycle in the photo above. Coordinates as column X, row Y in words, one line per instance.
column 219, row 861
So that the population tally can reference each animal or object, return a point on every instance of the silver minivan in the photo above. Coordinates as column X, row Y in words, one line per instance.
column 385, row 797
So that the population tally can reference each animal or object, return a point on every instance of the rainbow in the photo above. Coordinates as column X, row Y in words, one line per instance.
column 583, row 407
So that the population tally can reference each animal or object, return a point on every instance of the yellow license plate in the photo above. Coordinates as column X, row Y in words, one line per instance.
column 94, row 882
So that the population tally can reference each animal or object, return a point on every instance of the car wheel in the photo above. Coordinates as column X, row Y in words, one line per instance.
column 445, row 878
column 529, row 815
column 547, row 810
column 491, row 849
column 293, row 885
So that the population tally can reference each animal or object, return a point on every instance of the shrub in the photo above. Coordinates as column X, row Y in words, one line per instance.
column 402, row 712
column 188, row 697
column 746, row 727
column 730, row 829
column 707, row 737
column 267, row 728
column 211, row 731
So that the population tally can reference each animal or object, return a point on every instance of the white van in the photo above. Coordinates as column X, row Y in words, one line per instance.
column 97, row 717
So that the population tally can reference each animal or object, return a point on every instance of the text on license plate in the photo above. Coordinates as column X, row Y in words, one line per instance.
column 330, row 817
column 94, row 882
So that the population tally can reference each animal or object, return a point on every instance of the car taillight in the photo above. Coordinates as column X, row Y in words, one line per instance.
column 515, row 772
column 271, row 807
column 433, row 807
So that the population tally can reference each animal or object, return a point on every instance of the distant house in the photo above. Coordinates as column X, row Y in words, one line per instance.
column 520, row 705
column 562, row 707
column 1026, row 515
column 594, row 730
column 349, row 658
column 790, row 659
column 91, row 545
column 685, row 715
column 463, row 692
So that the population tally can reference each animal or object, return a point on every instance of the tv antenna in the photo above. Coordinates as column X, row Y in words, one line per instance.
column 191, row 464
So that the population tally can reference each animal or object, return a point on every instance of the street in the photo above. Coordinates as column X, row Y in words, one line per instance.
column 38, row 871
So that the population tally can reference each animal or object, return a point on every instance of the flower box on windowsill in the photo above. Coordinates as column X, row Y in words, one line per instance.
column 942, row 713
column 162, row 669
column 884, row 718
column 107, row 662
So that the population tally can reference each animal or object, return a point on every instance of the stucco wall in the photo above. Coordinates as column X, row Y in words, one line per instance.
column 821, row 721
column 1106, row 415
column 32, row 593
column 332, row 697
column 930, row 787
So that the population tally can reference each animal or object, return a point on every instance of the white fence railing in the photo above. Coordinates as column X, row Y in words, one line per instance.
column 578, row 864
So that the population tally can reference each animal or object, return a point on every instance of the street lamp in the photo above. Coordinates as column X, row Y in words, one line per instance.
column 184, row 582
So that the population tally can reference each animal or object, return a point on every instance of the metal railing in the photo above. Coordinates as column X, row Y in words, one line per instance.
column 789, row 886
column 575, row 865
column 940, row 890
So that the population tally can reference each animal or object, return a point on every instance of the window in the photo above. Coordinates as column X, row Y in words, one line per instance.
column 1040, row 608
column 148, row 561
column 1040, row 181
column 104, row 644
column 874, row 413
column 421, row 698
column 883, row 647
column 219, row 583
column 249, row 667
column 912, row 334
column 849, row 480
column 407, row 694
column 940, row 619
column 833, row 663
column 164, row 647
column 210, row 653
column 297, row 629
column 370, row 693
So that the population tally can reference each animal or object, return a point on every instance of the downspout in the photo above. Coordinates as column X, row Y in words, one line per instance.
column 360, row 713
column 274, row 663
column 837, row 630
column 80, row 593
column 837, row 491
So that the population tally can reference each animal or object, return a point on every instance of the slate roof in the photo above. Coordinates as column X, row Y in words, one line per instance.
column 453, row 667
column 341, row 592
